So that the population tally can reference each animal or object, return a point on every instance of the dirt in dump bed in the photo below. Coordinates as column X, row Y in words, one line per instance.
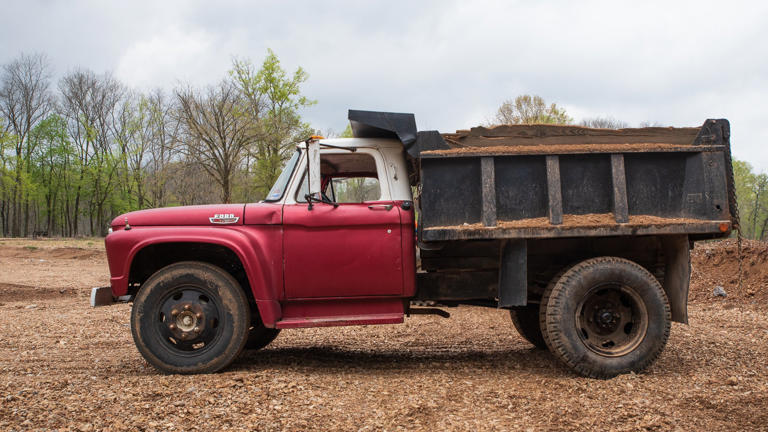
column 592, row 220
column 557, row 148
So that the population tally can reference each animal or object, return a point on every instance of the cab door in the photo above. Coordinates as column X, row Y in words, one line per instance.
column 352, row 249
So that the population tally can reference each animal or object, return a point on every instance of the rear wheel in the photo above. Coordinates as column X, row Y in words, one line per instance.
column 190, row 317
column 526, row 322
column 606, row 316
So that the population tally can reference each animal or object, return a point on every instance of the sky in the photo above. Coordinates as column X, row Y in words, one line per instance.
column 451, row 63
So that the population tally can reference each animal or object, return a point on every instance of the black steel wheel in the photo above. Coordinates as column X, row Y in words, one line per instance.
column 526, row 322
column 606, row 316
column 190, row 317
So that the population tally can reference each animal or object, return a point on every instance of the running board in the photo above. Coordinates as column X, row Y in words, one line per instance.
column 332, row 321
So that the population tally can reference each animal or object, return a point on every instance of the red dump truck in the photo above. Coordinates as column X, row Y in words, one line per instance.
column 582, row 234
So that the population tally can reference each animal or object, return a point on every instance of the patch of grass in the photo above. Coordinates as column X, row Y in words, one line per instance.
column 30, row 247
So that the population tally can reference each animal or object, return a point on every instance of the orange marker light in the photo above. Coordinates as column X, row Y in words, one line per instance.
column 724, row 226
column 316, row 137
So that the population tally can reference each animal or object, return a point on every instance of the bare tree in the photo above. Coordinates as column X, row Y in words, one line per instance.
column 88, row 103
column 163, row 146
column 217, row 133
column 645, row 124
column 25, row 99
column 604, row 123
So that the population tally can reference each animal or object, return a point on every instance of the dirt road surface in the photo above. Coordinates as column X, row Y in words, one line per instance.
column 66, row 366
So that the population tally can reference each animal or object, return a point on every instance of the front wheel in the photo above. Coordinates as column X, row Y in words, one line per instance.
column 190, row 317
column 606, row 316
column 260, row 336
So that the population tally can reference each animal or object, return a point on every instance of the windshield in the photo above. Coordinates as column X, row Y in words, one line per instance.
column 282, row 182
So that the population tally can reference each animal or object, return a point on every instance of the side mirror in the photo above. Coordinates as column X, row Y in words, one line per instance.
column 313, row 167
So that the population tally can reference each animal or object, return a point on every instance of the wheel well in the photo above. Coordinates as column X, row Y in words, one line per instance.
column 154, row 257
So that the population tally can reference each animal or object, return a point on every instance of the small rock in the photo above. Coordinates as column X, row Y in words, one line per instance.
column 31, row 306
column 719, row 292
column 732, row 381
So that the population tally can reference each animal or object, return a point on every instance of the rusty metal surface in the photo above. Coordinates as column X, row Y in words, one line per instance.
column 511, row 230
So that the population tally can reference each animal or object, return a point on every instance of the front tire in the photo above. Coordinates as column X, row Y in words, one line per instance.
column 260, row 336
column 606, row 316
column 190, row 317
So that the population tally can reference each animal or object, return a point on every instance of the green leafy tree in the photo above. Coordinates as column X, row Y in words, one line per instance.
column 752, row 197
column 272, row 100
column 530, row 109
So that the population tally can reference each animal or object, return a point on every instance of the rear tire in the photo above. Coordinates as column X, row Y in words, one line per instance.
column 190, row 317
column 526, row 322
column 606, row 316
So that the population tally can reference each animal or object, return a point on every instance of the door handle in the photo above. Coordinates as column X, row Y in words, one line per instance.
column 386, row 207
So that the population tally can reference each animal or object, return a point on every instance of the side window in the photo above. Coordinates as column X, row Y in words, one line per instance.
column 346, row 178
column 356, row 189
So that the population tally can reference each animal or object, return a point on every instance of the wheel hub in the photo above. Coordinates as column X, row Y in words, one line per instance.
column 188, row 322
column 607, row 318
column 189, row 319
column 611, row 320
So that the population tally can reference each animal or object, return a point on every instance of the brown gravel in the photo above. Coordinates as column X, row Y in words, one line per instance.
column 66, row 366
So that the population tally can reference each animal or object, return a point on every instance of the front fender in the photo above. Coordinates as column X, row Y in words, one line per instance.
column 259, row 249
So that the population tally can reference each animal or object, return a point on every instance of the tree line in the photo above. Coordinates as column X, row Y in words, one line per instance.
column 78, row 152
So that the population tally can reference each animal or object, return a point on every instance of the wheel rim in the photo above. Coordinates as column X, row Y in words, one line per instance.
column 189, row 320
column 611, row 320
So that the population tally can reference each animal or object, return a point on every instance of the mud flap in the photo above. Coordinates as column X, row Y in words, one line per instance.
column 513, row 274
column 677, row 275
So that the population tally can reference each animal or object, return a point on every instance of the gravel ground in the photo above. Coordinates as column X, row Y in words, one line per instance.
column 66, row 366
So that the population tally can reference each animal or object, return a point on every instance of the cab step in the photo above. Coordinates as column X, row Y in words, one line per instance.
column 332, row 321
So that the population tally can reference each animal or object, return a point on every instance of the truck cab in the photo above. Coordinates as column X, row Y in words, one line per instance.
column 344, row 257
column 356, row 241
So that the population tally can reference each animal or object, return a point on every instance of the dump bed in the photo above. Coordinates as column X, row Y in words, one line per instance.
column 542, row 181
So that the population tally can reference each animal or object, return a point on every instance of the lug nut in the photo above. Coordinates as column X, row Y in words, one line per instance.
column 174, row 312
column 172, row 326
column 186, row 307
column 196, row 329
column 199, row 315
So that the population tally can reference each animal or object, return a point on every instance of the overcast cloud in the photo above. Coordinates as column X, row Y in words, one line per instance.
column 450, row 63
